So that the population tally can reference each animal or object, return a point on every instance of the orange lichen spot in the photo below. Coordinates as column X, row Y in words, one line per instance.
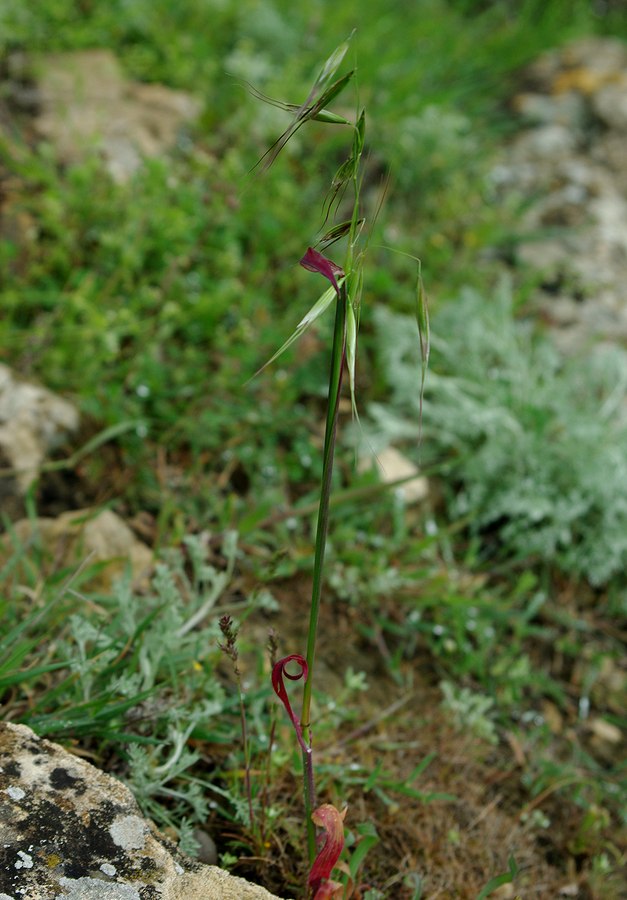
column 581, row 79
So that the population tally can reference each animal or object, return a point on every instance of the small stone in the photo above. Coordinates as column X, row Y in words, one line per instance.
column 392, row 466
column 33, row 422
column 504, row 892
column 207, row 850
column 610, row 105
column 547, row 142
column 605, row 732
column 566, row 109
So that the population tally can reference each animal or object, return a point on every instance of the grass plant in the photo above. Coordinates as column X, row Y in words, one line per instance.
column 346, row 290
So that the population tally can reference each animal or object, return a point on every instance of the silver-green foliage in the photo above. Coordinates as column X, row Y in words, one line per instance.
column 142, row 671
column 534, row 443
column 470, row 711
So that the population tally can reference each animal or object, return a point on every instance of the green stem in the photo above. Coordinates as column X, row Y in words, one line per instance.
column 335, row 384
column 246, row 744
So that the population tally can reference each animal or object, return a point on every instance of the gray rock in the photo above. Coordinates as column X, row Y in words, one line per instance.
column 610, row 104
column 92, row 535
column 87, row 104
column 547, row 142
column 569, row 172
column 393, row 467
column 33, row 422
column 583, row 65
column 70, row 832
column 207, row 850
column 567, row 109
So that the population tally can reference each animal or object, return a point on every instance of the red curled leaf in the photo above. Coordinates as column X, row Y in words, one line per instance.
column 314, row 261
column 332, row 821
column 279, row 671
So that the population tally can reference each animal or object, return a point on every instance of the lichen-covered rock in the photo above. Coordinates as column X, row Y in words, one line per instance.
column 71, row 832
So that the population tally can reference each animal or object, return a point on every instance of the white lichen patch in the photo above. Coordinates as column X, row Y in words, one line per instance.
column 15, row 793
column 108, row 869
column 93, row 889
column 25, row 860
column 129, row 832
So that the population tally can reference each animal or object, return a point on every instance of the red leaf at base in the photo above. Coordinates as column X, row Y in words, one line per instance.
column 332, row 821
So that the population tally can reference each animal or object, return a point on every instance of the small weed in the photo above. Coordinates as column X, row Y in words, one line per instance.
column 470, row 711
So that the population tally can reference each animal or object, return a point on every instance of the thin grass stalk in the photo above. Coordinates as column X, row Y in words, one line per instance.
column 272, row 648
column 246, row 744
column 266, row 787
column 335, row 384
column 338, row 357
column 229, row 648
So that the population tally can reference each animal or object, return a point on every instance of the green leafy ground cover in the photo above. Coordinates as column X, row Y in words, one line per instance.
column 484, row 629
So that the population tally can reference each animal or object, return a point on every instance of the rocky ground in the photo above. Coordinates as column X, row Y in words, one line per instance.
column 569, row 162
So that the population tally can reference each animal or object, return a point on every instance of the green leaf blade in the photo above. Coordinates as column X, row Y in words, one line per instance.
column 351, row 351
column 318, row 309
column 498, row 880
